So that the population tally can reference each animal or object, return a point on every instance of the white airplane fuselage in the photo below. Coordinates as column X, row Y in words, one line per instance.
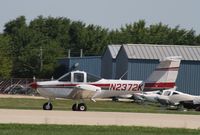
column 109, row 88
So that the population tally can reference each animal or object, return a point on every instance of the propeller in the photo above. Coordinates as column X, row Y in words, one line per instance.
column 33, row 85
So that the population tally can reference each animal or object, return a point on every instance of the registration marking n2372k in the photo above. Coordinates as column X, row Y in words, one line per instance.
column 126, row 87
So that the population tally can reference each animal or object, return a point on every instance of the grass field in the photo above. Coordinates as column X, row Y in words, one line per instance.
column 108, row 106
column 20, row 129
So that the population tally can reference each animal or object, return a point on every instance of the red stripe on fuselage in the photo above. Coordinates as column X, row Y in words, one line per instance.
column 159, row 85
column 73, row 85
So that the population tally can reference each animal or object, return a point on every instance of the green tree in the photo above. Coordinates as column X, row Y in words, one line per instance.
column 19, row 38
column 25, row 46
column 158, row 34
column 56, row 35
column 77, row 37
column 96, row 39
column 40, row 61
column 5, row 57
column 134, row 33
column 198, row 40
column 54, row 28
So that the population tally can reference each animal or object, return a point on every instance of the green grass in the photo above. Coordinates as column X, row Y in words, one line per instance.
column 20, row 129
column 106, row 106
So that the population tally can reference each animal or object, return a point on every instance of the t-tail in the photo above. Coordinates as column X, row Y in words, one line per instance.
column 165, row 74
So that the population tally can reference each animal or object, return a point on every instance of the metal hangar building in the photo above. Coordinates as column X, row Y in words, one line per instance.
column 139, row 60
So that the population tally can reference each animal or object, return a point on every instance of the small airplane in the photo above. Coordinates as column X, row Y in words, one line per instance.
column 178, row 99
column 79, row 85
column 152, row 96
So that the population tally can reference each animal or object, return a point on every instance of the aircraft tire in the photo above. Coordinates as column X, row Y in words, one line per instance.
column 82, row 107
column 47, row 106
column 74, row 107
column 115, row 99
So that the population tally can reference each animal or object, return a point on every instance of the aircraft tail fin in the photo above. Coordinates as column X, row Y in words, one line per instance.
column 165, row 74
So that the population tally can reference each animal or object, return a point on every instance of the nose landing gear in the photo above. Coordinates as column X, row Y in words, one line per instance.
column 47, row 106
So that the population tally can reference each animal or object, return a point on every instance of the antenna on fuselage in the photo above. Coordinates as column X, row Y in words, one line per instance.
column 74, row 67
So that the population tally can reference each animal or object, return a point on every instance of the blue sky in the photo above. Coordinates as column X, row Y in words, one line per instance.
column 107, row 13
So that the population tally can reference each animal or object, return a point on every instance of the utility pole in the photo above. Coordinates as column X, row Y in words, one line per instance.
column 69, row 53
column 41, row 58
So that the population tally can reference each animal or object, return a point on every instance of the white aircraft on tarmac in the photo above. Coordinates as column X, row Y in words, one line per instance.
column 152, row 96
column 79, row 85
column 179, row 99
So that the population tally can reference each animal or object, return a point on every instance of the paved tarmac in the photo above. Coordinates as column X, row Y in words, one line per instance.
column 99, row 118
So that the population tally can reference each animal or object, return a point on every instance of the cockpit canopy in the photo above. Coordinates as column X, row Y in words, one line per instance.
column 78, row 77
column 170, row 93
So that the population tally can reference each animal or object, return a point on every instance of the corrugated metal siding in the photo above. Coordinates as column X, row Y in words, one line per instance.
column 90, row 64
column 121, row 65
column 114, row 69
column 148, row 51
column 188, row 80
column 141, row 69
column 107, row 65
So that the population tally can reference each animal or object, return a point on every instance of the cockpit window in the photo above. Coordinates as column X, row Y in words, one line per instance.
column 175, row 93
column 167, row 93
column 92, row 78
column 78, row 77
column 65, row 78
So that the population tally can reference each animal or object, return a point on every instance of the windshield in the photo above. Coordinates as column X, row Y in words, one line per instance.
column 175, row 93
column 65, row 78
column 167, row 93
column 92, row 78
column 78, row 77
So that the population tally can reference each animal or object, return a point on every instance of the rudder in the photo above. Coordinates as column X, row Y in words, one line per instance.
column 165, row 74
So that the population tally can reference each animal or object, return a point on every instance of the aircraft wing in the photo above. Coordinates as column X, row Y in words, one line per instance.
column 84, row 91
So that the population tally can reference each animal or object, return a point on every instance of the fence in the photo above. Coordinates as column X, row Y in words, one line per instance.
column 17, row 86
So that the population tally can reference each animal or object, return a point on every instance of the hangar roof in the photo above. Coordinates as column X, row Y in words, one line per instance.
column 148, row 51
column 114, row 49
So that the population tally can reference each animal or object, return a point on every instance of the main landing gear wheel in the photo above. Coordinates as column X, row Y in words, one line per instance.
column 82, row 107
column 74, row 107
column 79, row 107
column 47, row 106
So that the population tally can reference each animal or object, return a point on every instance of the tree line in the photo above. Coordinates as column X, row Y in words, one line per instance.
column 32, row 49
